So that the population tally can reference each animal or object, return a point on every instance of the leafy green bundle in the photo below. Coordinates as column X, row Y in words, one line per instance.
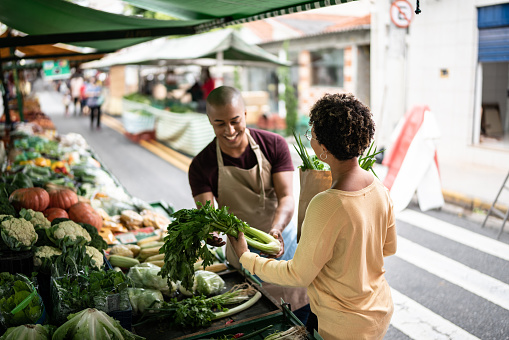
column 18, row 293
column 199, row 311
column 366, row 161
column 183, row 244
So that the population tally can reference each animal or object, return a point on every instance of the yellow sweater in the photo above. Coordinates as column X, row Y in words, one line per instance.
column 345, row 236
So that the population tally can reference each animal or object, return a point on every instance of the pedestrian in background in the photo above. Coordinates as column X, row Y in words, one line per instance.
column 94, row 101
column 208, row 83
column 76, row 83
column 347, row 231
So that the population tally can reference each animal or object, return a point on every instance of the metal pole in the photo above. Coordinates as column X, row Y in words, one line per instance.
column 5, row 99
column 19, row 96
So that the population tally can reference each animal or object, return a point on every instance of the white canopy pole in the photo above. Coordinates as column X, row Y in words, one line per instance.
column 219, row 66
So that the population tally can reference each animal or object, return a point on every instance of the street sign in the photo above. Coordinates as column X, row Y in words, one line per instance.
column 56, row 69
column 402, row 13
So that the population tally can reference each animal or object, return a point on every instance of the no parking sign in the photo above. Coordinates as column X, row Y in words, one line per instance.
column 401, row 13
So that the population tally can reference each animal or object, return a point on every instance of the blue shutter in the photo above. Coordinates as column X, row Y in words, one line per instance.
column 494, row 44
column 493, row 24
column 493, row 16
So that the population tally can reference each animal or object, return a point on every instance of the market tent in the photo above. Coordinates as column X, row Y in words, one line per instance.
column 57, row 17
column 187, row 50
column 58, row 21
column 45, row 52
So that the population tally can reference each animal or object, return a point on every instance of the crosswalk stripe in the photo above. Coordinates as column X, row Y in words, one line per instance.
column 420, row 323
column 455, row 233
column 470, row 279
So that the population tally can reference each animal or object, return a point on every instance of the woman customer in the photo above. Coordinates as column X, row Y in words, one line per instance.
column 347, row 231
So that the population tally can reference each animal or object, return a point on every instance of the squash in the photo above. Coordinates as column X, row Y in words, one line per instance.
column 62, row 198
column 36, row 199
column 84, row 213
column 52, row 213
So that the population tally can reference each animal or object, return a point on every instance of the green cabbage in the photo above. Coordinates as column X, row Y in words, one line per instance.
column 142, row 299
column 146, row 276
column 27, row 332
column 92, row 324
column 205, row 283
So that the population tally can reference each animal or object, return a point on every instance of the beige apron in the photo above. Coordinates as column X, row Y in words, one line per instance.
column 250, row 195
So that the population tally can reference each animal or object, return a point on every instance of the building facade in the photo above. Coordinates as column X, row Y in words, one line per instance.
column 453, row 57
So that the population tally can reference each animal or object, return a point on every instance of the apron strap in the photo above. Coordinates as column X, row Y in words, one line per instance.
column 258, row 153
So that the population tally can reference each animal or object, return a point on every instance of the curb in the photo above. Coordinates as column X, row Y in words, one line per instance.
column 470, row 203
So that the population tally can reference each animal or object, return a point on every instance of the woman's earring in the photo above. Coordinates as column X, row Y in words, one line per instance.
column 321, row 155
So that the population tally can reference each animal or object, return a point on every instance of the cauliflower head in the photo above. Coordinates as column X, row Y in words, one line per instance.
column 17, row 233
column 69, row 233
column 45, row 254
column 96, row 255
column 37, row 218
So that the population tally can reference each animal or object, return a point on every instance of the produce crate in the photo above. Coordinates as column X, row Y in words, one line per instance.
column 266, row 307
column 17, row 262
column 163, row 208
column 281, row 321
column 136, row 122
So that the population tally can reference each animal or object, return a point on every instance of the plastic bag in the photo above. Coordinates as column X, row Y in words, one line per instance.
column 146, row 275
column 19, row 294
column 205, row 283
column 142, row 299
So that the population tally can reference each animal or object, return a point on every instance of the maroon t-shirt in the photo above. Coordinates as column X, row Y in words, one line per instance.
column 203, row 171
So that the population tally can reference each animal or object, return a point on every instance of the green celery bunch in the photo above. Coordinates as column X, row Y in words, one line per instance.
column 184, row 243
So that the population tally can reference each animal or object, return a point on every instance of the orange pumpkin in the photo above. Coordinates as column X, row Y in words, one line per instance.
column 52, row 213
column 84, row 213
column 62, row 198
column 29, row 198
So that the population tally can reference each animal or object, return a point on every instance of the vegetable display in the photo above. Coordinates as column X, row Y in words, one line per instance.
column 199, row 311
column 184, row 241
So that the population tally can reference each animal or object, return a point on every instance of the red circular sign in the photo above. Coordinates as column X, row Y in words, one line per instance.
column 402, row 13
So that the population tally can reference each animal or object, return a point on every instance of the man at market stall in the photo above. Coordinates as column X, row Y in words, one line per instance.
column 250, row 171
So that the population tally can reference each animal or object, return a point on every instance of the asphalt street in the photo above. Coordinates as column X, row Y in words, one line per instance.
column 449, row 278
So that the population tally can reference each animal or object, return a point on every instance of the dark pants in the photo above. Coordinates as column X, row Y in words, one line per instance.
column 93, row 111
column 76, row 100
column 312, row 323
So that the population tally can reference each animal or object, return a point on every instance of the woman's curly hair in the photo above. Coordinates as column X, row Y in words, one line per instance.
column 342, row 124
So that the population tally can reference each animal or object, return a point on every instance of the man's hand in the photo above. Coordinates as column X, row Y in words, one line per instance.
column 216, row 241
column 239, row 244
column 276, row 233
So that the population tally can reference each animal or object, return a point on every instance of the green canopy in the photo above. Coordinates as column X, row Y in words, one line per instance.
column 58, row 21
column 187, row 49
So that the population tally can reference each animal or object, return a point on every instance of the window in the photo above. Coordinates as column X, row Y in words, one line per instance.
column 327, row 67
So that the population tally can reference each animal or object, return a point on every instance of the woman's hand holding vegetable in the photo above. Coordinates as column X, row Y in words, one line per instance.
column 239, row 244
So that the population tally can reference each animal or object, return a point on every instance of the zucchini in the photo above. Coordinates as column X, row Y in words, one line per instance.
column 152, row 245
column 122, row 261
column 147, row 252
column 157, row 257
column 149, row 239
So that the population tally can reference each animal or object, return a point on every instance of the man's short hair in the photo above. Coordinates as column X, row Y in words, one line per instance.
column 224, row 95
